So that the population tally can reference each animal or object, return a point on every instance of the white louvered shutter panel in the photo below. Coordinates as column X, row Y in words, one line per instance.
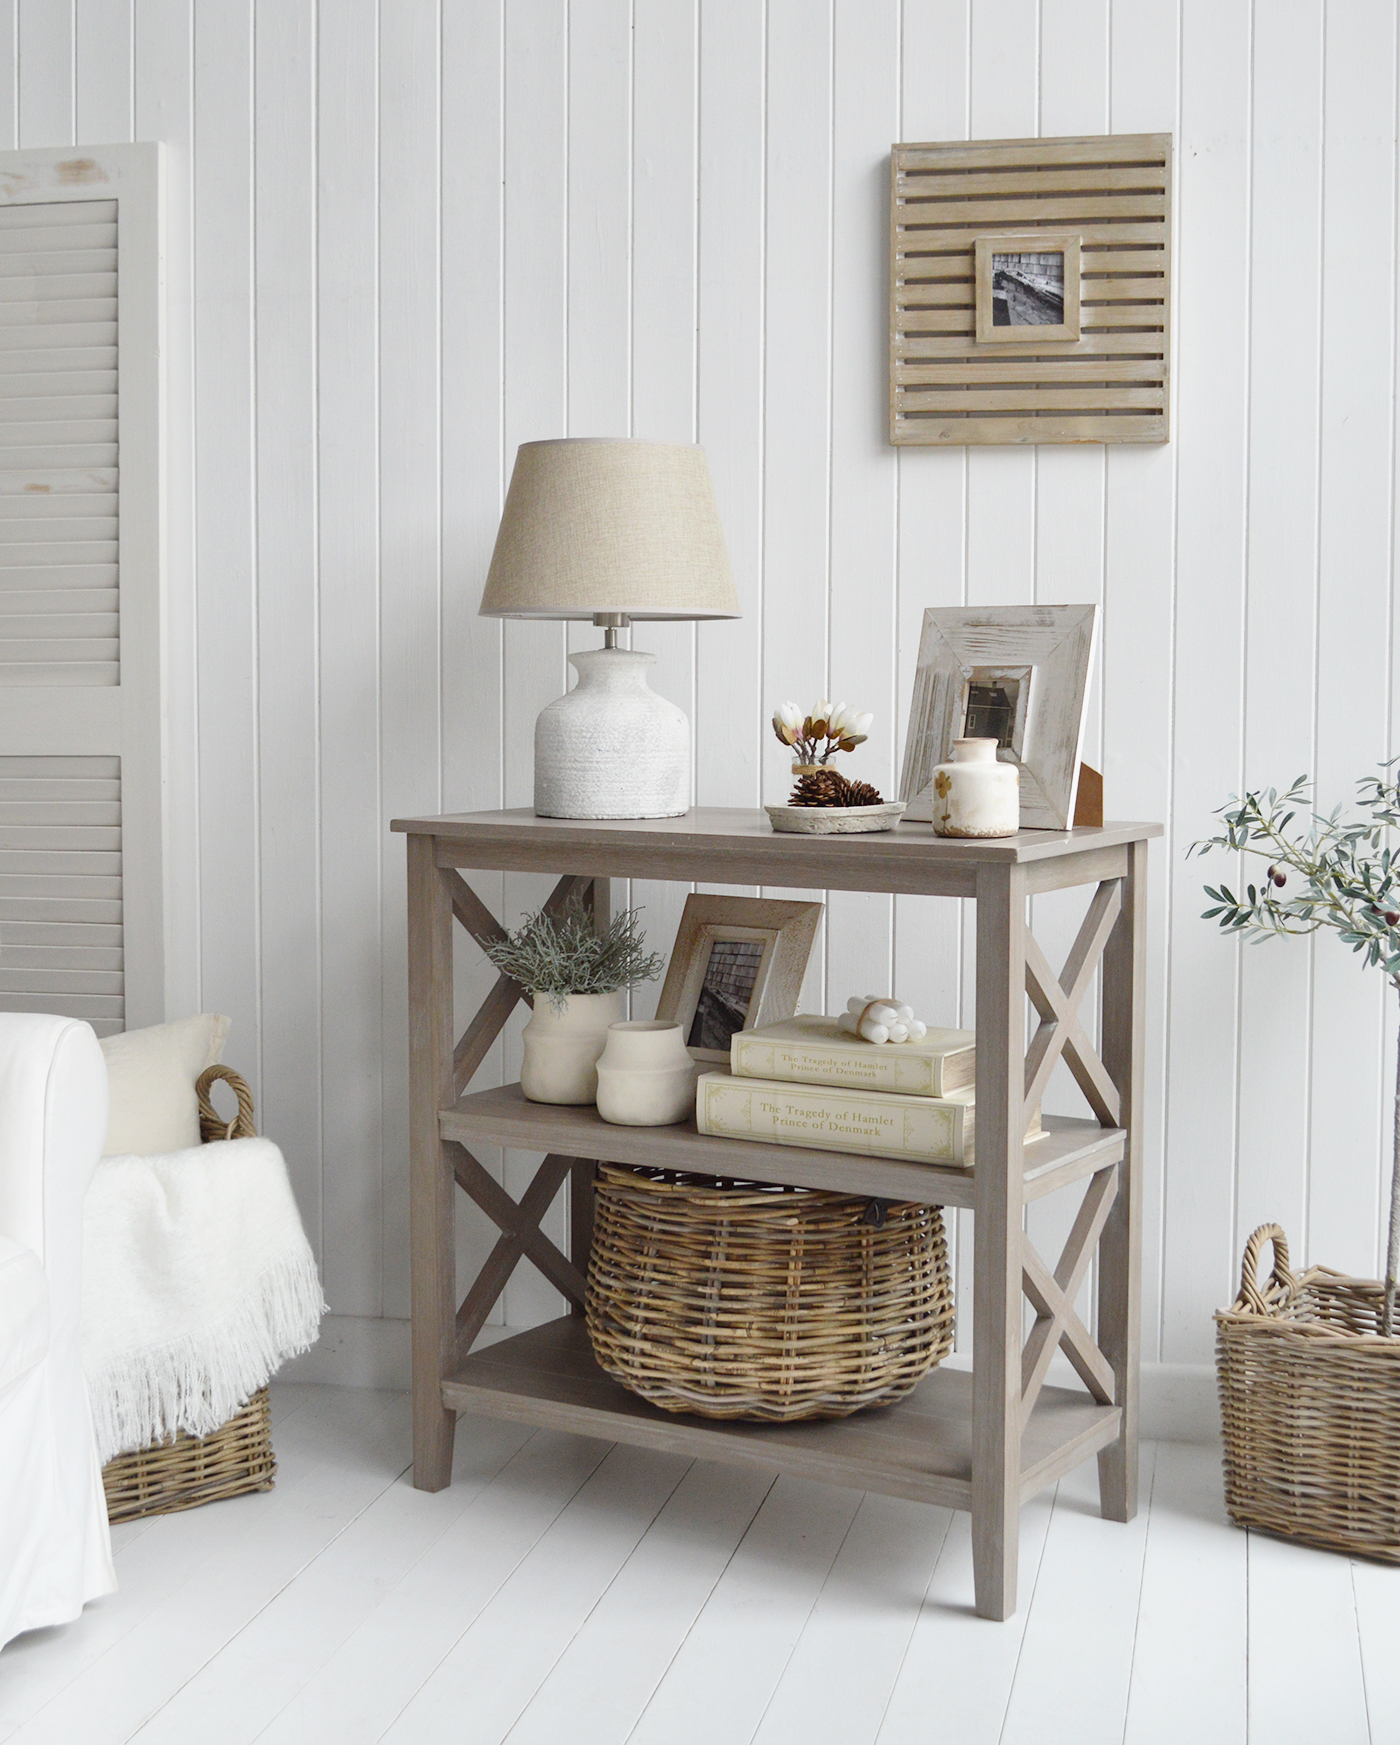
column 80, row 584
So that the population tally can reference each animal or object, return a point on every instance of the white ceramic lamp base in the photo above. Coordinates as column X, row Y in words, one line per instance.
column 611, row 748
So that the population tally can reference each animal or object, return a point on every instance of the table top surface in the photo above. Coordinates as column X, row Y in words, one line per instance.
column 746, row 830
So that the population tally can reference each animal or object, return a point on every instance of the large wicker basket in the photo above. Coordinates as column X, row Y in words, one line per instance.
column 235, row 1458
column 741, row 1300
column 1310, row 1406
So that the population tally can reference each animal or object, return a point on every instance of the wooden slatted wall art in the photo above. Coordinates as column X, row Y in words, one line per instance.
column 81, row 841
column 1109, row 385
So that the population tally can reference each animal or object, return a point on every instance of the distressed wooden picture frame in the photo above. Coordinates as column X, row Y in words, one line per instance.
column 988, row 250
column 774, row 941
column 1043, row 654
column 949, row 385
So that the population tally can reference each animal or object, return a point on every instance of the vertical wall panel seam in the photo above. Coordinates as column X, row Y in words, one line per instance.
column 896, row 618
column 437, row 378
column 694, row 629
column 830, row 411
column 630, row 323
column 499, row 624
column 317, row 757
column 761, row 605
column 255, row 626
column 699, row 236
column 761, row 599
column 196, row 722
column 1169, row 833
column 382, row 1199
column 567, row 220
column 1245, row 479
column 1386, row 1085
column 632, row 241
column 1316, row 700
column 564, row 245
column 1383, row 1175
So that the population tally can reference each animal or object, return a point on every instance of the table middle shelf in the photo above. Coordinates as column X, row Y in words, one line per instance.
column 1069, row 1151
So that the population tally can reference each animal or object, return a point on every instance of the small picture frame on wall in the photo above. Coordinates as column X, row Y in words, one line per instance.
column 737, row 962
column 1027, row 288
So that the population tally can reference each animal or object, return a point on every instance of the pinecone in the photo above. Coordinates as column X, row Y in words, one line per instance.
column 828, row 787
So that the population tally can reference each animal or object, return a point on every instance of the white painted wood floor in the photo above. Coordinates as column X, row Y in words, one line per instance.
column 566, row 1592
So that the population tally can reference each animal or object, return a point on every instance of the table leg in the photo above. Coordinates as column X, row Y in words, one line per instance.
column 996, row 1356
column 581, row 1216
column 430, row 1163
column 581, row 1191
column 1120, row 1248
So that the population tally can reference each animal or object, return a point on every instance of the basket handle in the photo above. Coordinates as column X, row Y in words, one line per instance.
column 1281, row 1281
column 212, row 1126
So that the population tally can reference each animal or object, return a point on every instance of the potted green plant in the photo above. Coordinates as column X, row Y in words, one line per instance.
column 578, row 975
column 1309, row 1365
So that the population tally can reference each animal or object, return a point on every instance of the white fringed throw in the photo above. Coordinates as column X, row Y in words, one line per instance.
column 197, row 1283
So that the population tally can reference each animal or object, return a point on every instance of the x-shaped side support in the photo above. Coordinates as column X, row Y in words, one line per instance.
column 519, row 1223
column 521, row 1237
column 1052, row 1296
column 1058, row 999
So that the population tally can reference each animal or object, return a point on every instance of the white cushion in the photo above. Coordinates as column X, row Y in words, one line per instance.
column 150, row 1078
column 24, row 1311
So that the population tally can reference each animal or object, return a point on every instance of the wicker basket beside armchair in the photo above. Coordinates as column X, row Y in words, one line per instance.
column 1310, row 1406
column 746, row 1300
column 235, row 1458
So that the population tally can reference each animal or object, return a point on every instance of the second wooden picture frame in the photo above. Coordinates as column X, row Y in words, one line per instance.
column 737, row 962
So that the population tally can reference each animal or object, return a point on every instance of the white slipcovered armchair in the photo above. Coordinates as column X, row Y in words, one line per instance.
column 55, row 1552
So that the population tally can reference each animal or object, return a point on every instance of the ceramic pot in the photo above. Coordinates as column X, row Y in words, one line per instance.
column 646, row 1077
column 975, row 794
column 562, row 1048
column 612, row 748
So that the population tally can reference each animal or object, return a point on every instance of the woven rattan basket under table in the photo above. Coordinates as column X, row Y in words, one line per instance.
column 744, row 1300
column 1310, row 1406
column 235, row 1458
column 984, row 1441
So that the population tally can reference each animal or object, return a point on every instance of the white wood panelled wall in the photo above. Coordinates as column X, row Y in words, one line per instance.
column 404, row 238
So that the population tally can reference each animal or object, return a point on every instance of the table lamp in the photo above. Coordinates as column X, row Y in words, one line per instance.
column 610, row 530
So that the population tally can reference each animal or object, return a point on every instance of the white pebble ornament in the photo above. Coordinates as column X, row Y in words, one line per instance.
column 881, row 1020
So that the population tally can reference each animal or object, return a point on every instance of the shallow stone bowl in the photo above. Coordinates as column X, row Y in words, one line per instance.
column 835, row 820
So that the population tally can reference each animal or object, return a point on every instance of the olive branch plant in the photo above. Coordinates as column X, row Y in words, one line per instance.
column 1348, row 880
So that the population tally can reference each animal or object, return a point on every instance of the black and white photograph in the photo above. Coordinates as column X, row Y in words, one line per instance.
column 992, row 709
column 1027, row 287
column 726, row 993
column 1028, row 290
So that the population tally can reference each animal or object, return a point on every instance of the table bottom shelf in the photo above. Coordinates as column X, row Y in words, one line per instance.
column 920, row 1448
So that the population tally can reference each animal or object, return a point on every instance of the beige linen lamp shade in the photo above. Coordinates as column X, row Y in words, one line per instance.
column 597, row 526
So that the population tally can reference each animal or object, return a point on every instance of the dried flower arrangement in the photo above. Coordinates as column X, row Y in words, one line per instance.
column 817, row 736
column 562, row 953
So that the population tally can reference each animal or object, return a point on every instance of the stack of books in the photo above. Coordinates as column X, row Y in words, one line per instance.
column 807, row 1082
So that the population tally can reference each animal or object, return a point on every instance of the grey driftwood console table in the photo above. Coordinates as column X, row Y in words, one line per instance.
column 985, row 1441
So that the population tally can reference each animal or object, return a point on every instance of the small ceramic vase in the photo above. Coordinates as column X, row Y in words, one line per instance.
column 562, row 1048
column 975, row 794
column 646, row 1077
